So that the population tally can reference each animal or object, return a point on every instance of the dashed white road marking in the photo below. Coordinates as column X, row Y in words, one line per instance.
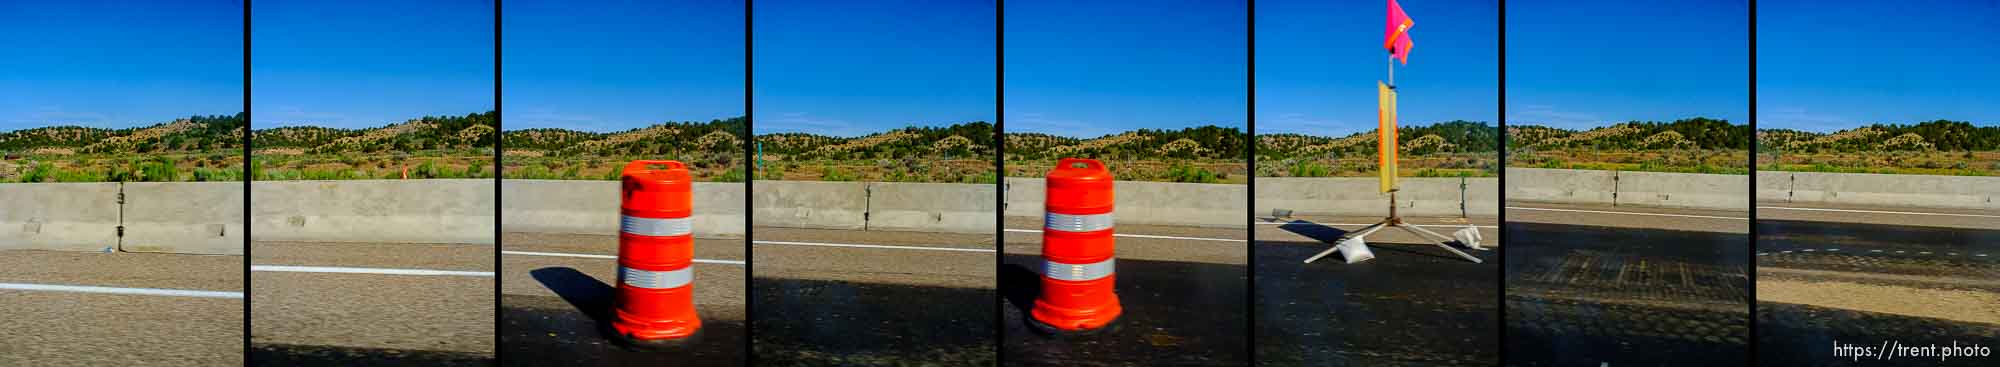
column 609, row 257
column 376, row 271
column 1873, row 251
column 119, row 290
column 791, row 243
column 1879, row 212
column 1629, row 213
column 1141, row 236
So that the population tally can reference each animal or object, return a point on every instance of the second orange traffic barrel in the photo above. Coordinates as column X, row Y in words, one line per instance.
column 1078, row 257
column 655, row 299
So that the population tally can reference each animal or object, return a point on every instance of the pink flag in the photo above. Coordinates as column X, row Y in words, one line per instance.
column 1396, row 37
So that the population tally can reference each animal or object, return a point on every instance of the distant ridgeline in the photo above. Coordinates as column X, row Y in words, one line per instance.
column 972, row 140
column 427, row 133
column 1694, row 133
column 1204, row 142
column 666, row 139
column 1457, row 136
column 193, row 134
column 1942, row 135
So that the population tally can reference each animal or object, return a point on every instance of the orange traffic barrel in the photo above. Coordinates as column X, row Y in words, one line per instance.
column 1077, row 250
column 655, row 298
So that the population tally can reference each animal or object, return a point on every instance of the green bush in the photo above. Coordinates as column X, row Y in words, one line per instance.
column 732, row 175
column 1189, row 173
column 40, row 172
column 1310, row 169
column 834, row 174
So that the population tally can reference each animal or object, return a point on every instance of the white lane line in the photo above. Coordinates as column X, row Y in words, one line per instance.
column 790, row 243
column 1141, row 236
column 1369, row 224
column 1628, row 213
column 610, row 257
column 380, row 271
column 119, row 290
column 1878, row 212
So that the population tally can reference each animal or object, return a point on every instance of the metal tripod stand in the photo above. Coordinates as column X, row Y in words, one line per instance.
column 1396, row 221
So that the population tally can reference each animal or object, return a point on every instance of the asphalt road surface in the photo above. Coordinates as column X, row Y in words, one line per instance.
column 120, row 309
column 367, row 304
column 1626, row 286
column 1414, row 304
column 558, row 294
column 1865, row 276
column 1183, row 290
column 872, row 298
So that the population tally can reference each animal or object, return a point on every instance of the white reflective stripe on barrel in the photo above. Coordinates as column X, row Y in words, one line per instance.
column 1078, row 272
column 656, row 226
column 655, row 279
column 1076, row 223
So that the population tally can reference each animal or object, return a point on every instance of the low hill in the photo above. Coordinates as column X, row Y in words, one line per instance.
column 972, row 140
column 1693, row 133
column 725, row 135
column 192, row 134
column 471, row 131
column 1203, row 142
column 1455, row 136
column 1942, row 135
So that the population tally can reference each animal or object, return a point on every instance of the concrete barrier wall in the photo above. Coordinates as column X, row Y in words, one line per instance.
column 1561, row 185
column 1166, row 203
column 1774, row 186
column 1420, row 196
column 591, row 207
column 1923, row 191
column 1684, row 190
column 810, row 204
column 184, row 218
column 379, row 211
column 930, row 207
column 1677, row 190
column 59, row 216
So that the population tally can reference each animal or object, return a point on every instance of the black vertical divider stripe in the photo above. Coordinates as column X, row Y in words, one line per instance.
column 1750, row 253
column 1501, row 118
column 1250, row 193
column 749, row 211
column 499, row 144
column 999, row 178
column 247, row 129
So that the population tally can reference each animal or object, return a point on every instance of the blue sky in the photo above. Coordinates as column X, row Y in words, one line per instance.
column 620, row 65
column 1092, row 68
column 368, row 63
column 118, row 64
column 852, row 68
column 1581, row 64
column 1832, row 65
column 1318, row 61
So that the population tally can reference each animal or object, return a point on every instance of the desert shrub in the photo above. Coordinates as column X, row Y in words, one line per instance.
column 835, row 174
column 40, row 172
column 1310, row 169
column 731, row 175
column 1189, row 173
